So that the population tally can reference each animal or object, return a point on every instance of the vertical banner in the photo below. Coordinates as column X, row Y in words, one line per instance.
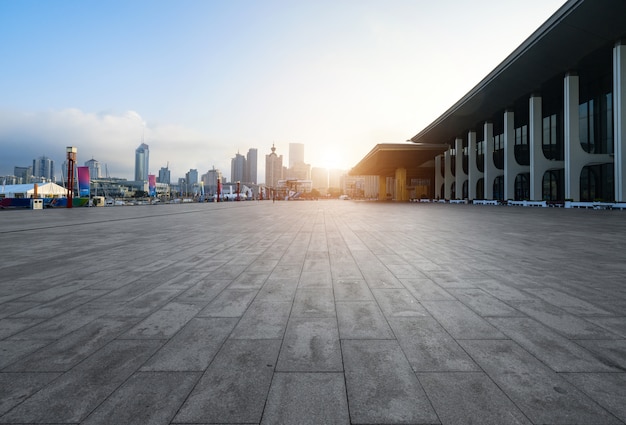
column 152, row 185
column 83, row 181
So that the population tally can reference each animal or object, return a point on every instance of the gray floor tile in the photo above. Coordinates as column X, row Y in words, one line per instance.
column 146, row 398
column 539, row 392
column 311, row 344
column 460, row 321
column 469, row 398
column 382, row 387
column 362, row 320
column 235, row 387
column 307, row 398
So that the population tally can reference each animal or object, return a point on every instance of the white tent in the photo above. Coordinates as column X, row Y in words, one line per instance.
column 44, row 190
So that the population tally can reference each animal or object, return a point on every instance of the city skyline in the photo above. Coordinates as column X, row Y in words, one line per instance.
column 341, row 82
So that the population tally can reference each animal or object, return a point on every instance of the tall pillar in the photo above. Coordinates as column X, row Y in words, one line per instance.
column 619, row 119
column 401, row 191
column 382, row 188
column 448, row 178
column 473, row 174
column 439, row 179
column 509, row 155
column 459, row 174
column 535, row 141
column 574, row 158
column 491, row 171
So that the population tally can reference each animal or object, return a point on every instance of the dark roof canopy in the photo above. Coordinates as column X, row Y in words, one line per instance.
column 385, row 158
column 577, row 29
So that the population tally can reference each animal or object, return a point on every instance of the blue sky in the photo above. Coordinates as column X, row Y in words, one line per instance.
column 200, row 80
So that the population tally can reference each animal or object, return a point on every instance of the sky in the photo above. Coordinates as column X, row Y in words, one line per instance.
column 200, row 80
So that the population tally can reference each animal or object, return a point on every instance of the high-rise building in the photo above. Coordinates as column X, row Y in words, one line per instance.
column 251, row 166
column 238, row 168
column 142, row 161
column 210, row 181
column 164, row 175
column 95, row 171
column 296, row 154
column 23, row 174
column 191, row 180
column 43, row 167
column 273, row 168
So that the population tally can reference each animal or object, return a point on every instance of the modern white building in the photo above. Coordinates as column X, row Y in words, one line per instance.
column 548, row 123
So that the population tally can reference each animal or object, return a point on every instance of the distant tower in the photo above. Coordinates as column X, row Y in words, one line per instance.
column 237, row 168
column 296, row 154
column 95, row 172
column 273, row 168
column 210, row 181
column 251, row 166
column 142, row 158
column 164, row 175
column 44, row 167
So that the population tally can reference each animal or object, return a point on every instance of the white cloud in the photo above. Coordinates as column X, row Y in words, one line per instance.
column 110, row 138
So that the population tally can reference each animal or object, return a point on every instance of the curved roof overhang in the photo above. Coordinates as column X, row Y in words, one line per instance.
column 578, row 29
column 385, row 158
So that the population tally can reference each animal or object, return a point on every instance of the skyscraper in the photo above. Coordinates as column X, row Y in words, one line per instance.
column 23, row 174
column 251, row 166
column 142, row 160
column 164, row 175
column 43, row 167
column 95, row 171
column 273, row 168
column 210, row 181
column 296, row 154
column 237, row 168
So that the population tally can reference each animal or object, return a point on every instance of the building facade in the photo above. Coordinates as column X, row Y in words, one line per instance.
column 95, row 171
column 43, row 168
column 142, row 162
column 547, row 124
column 238, row 168
column 273, row 168
column 252, row 162
column 164, row 176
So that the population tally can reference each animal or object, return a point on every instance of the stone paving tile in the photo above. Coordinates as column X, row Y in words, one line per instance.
column 263, row 320
column 428, row 347
column 561, row 321
column 398, row 303
column 469, row 398
column 234, row 388
column 165, row 322
column 483, row 303
column 314, row 303
column 146, row 398
column 426, row 290
column 66, row 352
column 539, row 392
column 311, row 344
column 460, row 321
column 559, row 353
column 89, row 384
column 17, row 387
column 362, row 320
column 194, row 347
column 352, row 290
column 229, row 303
column 12, row 351
column 381, row 385
column 307, row 398
column 608, row 390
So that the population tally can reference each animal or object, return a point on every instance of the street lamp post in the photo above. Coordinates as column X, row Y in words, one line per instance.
column 71, row 160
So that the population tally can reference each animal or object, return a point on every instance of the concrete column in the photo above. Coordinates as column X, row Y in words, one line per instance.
column 448, row 178
column 538, row 161
column 509, row 155
column 575, row 156
column 439, row 179
column 491, row 171
column 574, row 153
column 473, row 174
column 401, row 191
column 619, row 119
column 459, row 174
column 382, row 188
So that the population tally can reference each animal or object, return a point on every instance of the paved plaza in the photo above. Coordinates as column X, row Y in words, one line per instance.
column 313, row 312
